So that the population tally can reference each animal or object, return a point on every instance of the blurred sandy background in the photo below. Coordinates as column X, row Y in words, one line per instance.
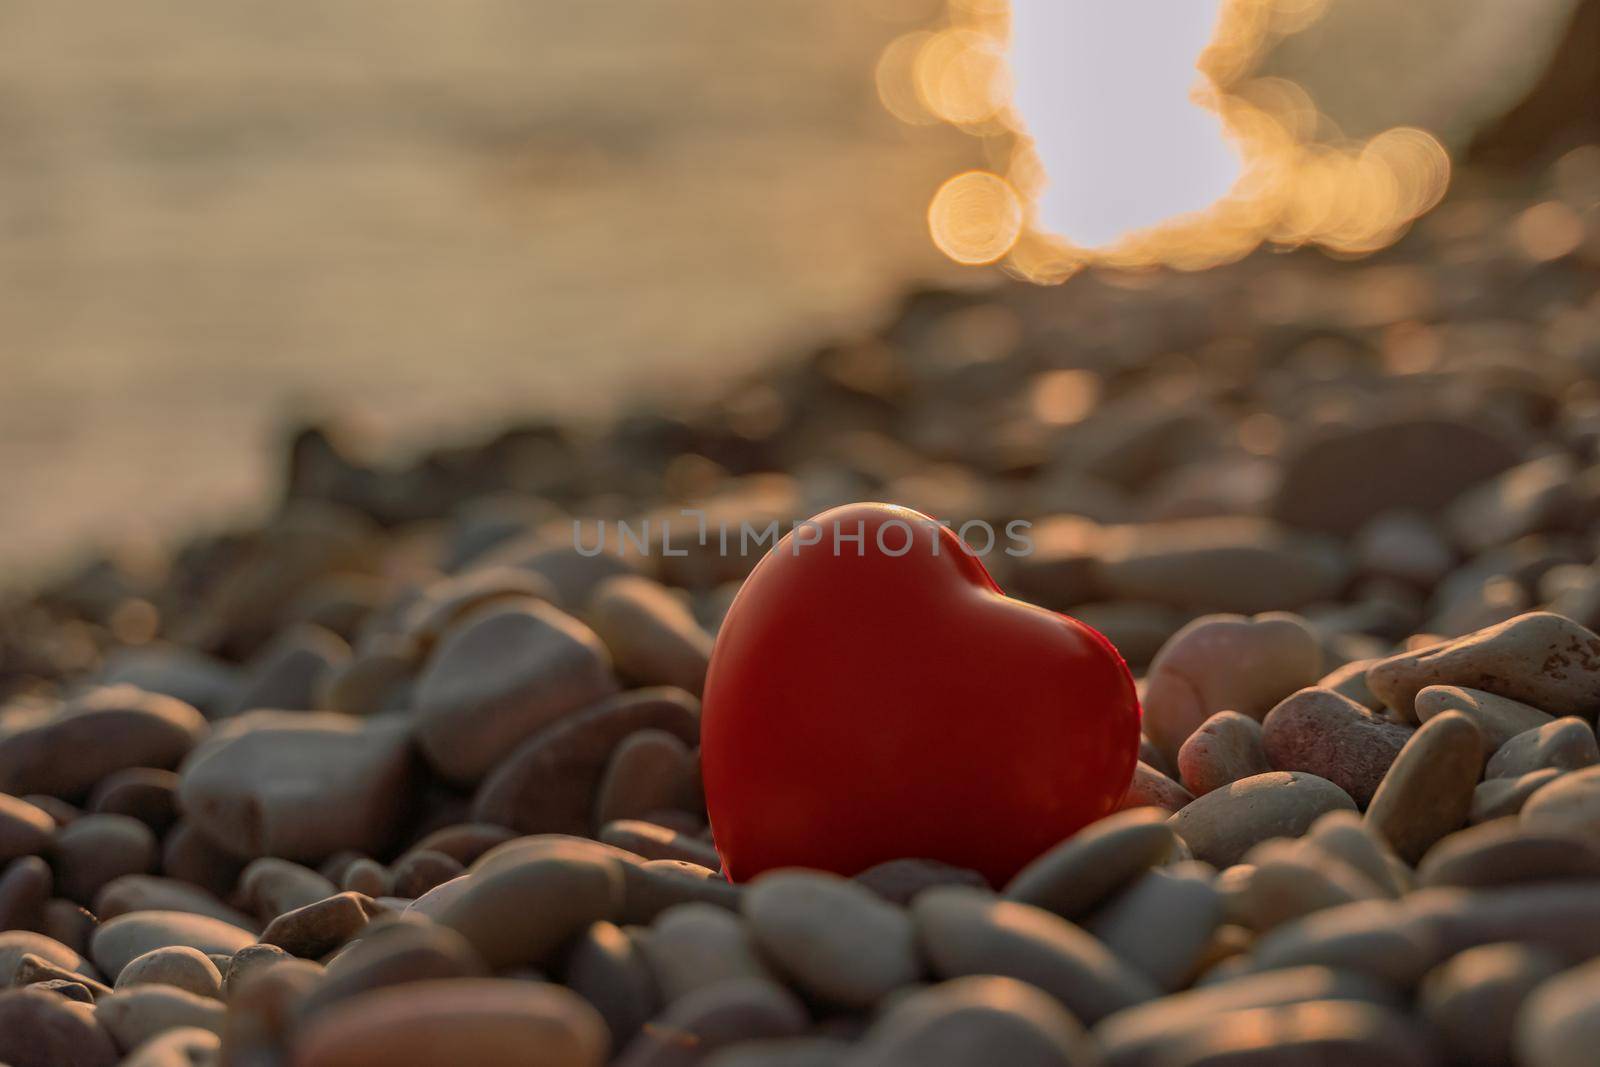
column 216, row 213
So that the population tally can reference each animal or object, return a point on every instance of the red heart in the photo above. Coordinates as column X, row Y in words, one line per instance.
column 866, row 704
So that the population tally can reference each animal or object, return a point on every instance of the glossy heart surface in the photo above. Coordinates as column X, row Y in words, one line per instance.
column 878, row 698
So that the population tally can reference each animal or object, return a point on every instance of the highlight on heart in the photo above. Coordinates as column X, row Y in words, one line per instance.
column 800, row 533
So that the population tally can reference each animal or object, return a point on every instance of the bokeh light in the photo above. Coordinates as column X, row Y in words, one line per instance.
column 1138, row 134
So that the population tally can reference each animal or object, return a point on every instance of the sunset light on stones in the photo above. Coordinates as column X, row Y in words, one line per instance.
column 1109, row 144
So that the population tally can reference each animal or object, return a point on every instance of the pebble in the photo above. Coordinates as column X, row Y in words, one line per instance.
column 314, row 930
column 1570, row 803
column 659, row 843
column 1428, row 790
column 302, row 788
column 271, row 886
column 1225, row 663
column 419, row 871
column 103, row 731
column 464, row 841
column 25, row 830
column 133, row 1016
column 791, row 1052
column 1292, row 879
column 728, row 1013
column 1223, row 825
column 1472, row 999
column 1505, row 852
column 1325, row 734
column 1229, row 564
column 549, row 784
column 1414, row 463
column 608, row 969
column 651, row 770
column 1346, row 837
column 1563, row 917
column 974, row 1022
column 499, row 678
column 1529, row 498
column 1316, row 1032
column 1539, row 659
column 465, row 1021
column 144, row 793
column 651, row 887
column 98, row 849
column 837, row 940
column 968, row 931
column 1089, row 866
column 1379, row 938
column 525, row 912
column 285, row 673
column 1495, row 798
column 692, row 946
column 193, row 677
column 186, row 968
column 372, row 878
column 1225, row 748
column 117, row 943
column 40, row 1029
column 36, row 970
column 1140, row 1036
column 25, row 887
column 1350, row 682
column 1152, row 789
column 1564, row 745
column 191, row 856
column 14, row 944
column 183, row 1046
column 1499, row 719
column 1404, row 546
column 899, row 881
column 1559, row 1024
column 1162, row 923
column 651, row 634
column 247, row 961
column 390, row 952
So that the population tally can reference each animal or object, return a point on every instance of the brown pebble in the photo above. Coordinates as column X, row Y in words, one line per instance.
column 1542, row 660
column 248, row 960
column 1563, row 744
column 190, row 856
column 1224, row 749
column 525, row 912
column 394, row 952
column 420, row 870
column 15, row 944
column 549, row 783
column 1152, row 789
column 501, row 676
column 35, row 970
column 317, row 929
column 651, row 634
column 99, row 848
column 692, row 946
column 1428, row 790
column 464, row 842
column 1499, row 719
column 133, row 1016
column 899, row 881
column 968, row 931
column 650, row 770
column 25, row 888
column 1316, row 1032
column 130, row 936
column 607, row 968
column 39, row 1029
column 1322, row 733
column 1559, row 1020
column 462, row 1020
column 1083, row 870
column 1472, row 999
column 952, row 1024
column 659, row 843
column 186, row 968
column 1162, row 923
column 25, row 829
column 1505, row 852
column 143, row 793
column 1570, row 803
column 1495, row 798
column 1223, row 825
column 368, row 876
column 103, row 731
column 727, row 1013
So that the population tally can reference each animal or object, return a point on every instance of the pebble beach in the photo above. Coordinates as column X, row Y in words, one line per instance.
column 407, row 775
